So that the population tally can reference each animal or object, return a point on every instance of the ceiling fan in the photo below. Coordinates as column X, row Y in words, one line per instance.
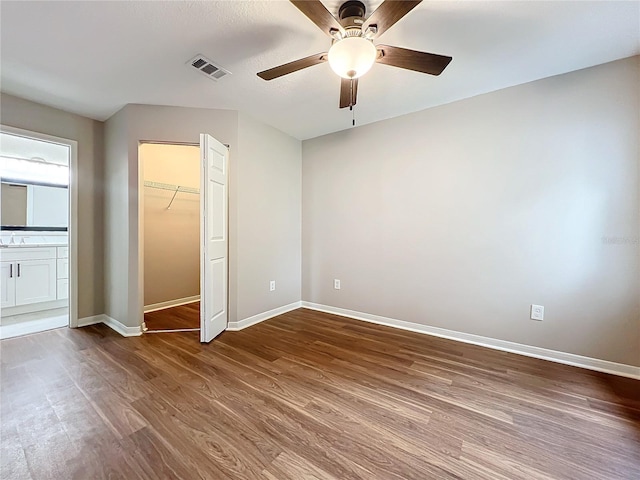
column 352, row 51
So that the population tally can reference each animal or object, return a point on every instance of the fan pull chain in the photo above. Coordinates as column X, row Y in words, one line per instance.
column 351, row 105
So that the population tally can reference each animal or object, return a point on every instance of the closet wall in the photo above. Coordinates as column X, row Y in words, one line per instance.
column 171, row 236
column 264, row 190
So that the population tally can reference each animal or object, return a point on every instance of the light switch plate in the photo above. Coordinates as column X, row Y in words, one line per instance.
column 537, row 312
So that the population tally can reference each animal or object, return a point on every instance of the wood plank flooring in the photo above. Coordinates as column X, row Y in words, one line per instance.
column 174, row 318
column 305, row 395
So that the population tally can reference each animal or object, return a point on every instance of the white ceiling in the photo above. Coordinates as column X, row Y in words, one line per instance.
column 94, row 57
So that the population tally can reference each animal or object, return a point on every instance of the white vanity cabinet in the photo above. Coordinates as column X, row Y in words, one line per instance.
column 62, row 270
column 7, row 285
column 29, row 276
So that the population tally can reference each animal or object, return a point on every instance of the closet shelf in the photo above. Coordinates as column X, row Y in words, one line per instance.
column 173, row 188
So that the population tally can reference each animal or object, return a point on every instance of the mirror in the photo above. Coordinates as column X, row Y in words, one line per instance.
column 32, row 206
column 34, row 179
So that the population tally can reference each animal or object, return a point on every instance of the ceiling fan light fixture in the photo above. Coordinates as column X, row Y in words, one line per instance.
column 352, row 57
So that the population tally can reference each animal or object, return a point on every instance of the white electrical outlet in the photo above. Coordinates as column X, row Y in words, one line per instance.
column 336, row 284
column 272, row 285
column 537, row 312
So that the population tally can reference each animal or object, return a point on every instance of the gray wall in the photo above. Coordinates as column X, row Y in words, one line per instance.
column 20, row 113
column 463, row 215
column 257, row 163
column 269, row 217
column 116, row 215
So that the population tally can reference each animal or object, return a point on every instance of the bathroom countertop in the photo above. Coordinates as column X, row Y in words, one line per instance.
column 33, row 245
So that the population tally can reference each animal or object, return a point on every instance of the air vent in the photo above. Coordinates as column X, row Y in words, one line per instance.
column 208, row 68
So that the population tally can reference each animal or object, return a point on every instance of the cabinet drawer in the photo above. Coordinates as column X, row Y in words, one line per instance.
column 62, row 289
column 63, row 268
column 63, row 252
column 27, row 253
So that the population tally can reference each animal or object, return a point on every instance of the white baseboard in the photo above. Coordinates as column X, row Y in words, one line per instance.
column 112, row 323
column 86, row 321
column 121, row 328
column 512, row 347
column 171, row 303
column 261, row 317
column 232, row 326
column 33, row 326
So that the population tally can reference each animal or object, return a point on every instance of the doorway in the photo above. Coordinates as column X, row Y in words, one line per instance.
column 38, row 218
column 213, row 246
column 170, row 218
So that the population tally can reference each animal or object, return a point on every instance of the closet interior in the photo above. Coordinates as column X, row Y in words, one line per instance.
column 170, row 209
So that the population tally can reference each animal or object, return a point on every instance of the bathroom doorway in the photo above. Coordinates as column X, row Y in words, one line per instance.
column 38, row 252
column 170, row 217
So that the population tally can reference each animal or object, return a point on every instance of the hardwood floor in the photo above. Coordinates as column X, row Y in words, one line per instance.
column 305, row 395
column 174, row 318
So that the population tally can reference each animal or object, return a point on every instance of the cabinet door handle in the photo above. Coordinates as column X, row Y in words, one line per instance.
column 11, row 270
column 18, row 269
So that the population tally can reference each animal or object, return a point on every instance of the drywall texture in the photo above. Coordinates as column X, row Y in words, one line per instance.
column 171, row 235
column 269, row 217
column 462, row 216
column 20, row 113
column 272, row 152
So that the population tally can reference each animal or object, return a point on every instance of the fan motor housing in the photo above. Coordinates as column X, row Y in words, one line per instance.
column 351, row 14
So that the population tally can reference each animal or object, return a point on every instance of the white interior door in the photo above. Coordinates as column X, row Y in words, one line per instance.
column 213, row 232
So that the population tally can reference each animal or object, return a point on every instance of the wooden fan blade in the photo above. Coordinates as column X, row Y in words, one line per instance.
column 387, row 14
column 412, row 60
column 294, row 66
column 346, row 98
column 318, row 14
